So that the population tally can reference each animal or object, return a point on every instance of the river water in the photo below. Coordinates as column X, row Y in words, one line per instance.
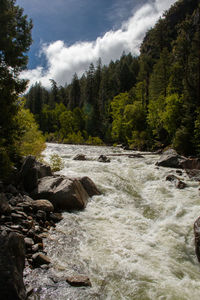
column 135, row 241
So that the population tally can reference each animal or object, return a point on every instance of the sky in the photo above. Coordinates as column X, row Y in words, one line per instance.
column 68, row 35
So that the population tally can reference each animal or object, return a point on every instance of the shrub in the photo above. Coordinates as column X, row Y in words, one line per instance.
column 56, row 162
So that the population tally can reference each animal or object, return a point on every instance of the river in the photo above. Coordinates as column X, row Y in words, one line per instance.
column 135, row 241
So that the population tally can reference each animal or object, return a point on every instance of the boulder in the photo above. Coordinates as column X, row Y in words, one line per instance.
column 5, row 208
column 191, row 164
column 193, row 174
column 103, row 158
column 64, row 193
column 89, row 186
column 80, row 157
column 171, row 159
column 197, row 237
column 31, row 171
column 12, row 261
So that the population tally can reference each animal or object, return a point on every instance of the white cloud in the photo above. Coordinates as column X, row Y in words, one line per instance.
column 63, row 60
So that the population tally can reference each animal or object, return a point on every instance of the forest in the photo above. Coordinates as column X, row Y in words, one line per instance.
column 147, row 102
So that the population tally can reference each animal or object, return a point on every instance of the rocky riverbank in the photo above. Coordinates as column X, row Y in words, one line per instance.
column 29, row 206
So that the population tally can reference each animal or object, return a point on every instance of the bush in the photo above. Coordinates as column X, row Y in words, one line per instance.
column 74, row 138
column 94, row 141
column 182, row 141
column 56, row 163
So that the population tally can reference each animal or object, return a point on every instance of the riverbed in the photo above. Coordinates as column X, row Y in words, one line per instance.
column 135, row 241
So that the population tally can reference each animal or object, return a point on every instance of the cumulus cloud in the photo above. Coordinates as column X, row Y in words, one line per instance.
column 63, row 60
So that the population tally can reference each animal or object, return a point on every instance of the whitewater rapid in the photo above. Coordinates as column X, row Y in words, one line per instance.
column 135, row 241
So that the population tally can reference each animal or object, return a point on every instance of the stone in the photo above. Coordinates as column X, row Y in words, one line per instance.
column 103, row 158
column 197, row 237
column 179, row 184
column 29, row 242
column 171, row 159
column 41, row 215
column 64, row 193
column 55, row 217
column 80, row 157
column 78, row 280
column 5, row 208
column 89, row 186
column 42, row 204
column 12, row 262
column 31, row 171
column 191, row 164
column 193, row 174
column 40, row 259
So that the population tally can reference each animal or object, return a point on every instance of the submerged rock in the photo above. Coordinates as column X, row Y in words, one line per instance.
column 103, row 158
column 80, row 157
column 79, row 280
column 179, row 184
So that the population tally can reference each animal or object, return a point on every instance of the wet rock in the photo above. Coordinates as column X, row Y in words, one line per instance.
column 4, row 205
column 171, row 159
column 55, row 217
column 178, row 183
column 197, row 237
column 43, row 205
column 12, row 261
column 89, row 186
column 179, row 172
column 193, row 174
column 40, row 259
column 135, row 155
column 64, row 193
column 103, row 158
column 79, row 280
column 80, row 157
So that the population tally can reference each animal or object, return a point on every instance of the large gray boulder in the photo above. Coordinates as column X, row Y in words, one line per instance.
column 12, row 260
column 89, row 186
column 171, row 159
column 31, row 171
column 64, row 193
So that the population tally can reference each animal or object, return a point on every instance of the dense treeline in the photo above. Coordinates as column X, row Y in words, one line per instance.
column 146, row 102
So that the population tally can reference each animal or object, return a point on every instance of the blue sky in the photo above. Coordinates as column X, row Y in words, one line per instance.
column 70, row 34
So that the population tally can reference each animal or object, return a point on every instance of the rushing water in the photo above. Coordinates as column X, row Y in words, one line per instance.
column 135, row 241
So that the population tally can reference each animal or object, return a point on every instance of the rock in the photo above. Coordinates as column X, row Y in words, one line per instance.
column 78, row 280
column 55, row 217
column 191, row 164
column 193, row 174
column 29, row 242
column 31, row 171
column 171, row 159
column 103, row 158
column 41, row 215
column 11, row 189
column 89, row 186
column 80, row 157
column 5, row 208
column 12, row 261
column 136, row 155
column 178, row 183
column 43, row 205
column 40, row 259
column 197, row 237
column 64, row 193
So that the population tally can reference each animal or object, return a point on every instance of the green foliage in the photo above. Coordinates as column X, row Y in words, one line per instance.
column 181, row 141
column 94, row 141
column 32, row 141
column 5, row 164
column 56, row 162
column 74, row 138
column 15, row 40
